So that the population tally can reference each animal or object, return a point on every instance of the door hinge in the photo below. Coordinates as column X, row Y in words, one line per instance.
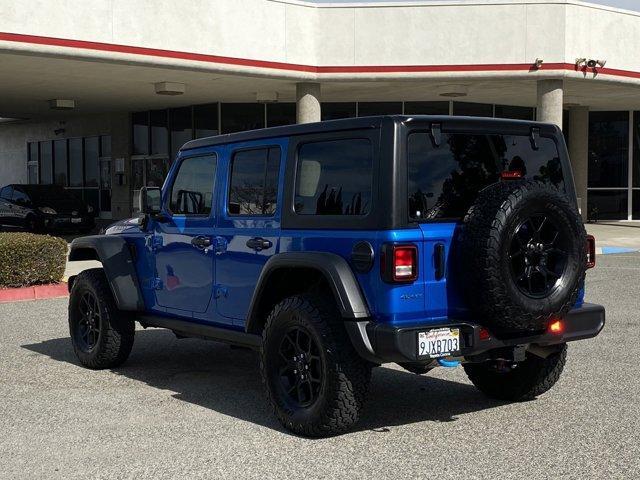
column 220, row 291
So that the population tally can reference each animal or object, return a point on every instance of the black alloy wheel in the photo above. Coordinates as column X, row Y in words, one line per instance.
column 88, row 325
column 300, row 367
column 538, row 256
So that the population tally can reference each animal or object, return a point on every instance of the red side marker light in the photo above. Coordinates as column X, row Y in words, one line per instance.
column 591, row 251
column 484, row 334
column 556, row 327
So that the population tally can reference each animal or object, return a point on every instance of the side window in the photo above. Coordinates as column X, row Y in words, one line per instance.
column 5, row 193
column 254, row 182
column 334, row 177
column 20, row 197
column 193, row 187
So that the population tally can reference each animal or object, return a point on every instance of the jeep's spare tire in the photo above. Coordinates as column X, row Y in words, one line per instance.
column 523, row 256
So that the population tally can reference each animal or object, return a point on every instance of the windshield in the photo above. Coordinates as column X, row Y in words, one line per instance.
column 444, row 180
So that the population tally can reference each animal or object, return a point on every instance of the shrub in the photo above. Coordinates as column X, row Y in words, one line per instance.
column 29, row 259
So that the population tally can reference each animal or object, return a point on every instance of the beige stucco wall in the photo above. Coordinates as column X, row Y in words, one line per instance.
column 434, row 33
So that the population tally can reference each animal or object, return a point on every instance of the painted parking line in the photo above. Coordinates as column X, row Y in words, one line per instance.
column 611, row 250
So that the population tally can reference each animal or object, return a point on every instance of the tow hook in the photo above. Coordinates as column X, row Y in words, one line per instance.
column 448, row 363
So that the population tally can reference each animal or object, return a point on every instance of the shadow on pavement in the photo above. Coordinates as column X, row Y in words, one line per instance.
column 227, row 380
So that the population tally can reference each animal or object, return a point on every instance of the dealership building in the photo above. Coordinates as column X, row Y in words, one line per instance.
column 98, row 95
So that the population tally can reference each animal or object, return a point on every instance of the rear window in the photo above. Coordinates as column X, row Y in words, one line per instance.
column 334, row 177
column 444, row 180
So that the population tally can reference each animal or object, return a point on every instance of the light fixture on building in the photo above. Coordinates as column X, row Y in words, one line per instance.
column 170, row 88
column 580, row 62
column 453, row 91
column 596, row 63
column 266, row 97
column 537, row 65
column 61, row 104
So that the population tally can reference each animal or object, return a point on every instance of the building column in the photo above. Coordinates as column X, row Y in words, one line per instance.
column 550, row 97
column 579, row 153
column 308, row 102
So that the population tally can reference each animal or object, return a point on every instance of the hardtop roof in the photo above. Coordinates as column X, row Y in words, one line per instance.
column 470, row 123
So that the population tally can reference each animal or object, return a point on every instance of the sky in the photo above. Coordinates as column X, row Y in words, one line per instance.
column 628, row 4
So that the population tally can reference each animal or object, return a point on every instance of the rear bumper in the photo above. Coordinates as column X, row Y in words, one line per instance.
column 382, row 343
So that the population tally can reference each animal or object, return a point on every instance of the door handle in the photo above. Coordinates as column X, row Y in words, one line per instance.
column 258, row 244
column 201, row 242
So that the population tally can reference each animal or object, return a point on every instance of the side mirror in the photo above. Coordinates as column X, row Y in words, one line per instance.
column 150, row 200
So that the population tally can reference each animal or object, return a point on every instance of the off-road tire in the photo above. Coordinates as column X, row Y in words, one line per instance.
column 487, row 279
column 116, row 328
column 527, row 380
column 345, row 375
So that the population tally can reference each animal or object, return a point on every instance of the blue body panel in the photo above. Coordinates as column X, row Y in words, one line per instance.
column 216, row 285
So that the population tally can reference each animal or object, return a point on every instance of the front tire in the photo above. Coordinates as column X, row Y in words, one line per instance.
column 101, row 335
column 315, row 380
column 524, row 381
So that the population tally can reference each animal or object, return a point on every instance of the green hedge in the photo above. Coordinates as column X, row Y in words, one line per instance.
column 29, row 259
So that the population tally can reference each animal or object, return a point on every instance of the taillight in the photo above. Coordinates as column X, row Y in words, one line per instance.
column 400, row 263
column 591, row 251
column 556, row 327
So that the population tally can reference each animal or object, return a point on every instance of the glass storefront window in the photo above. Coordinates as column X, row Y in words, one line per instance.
column 46, row 163
column 517, row 113
column 60, row 162
column 33, row 152
column 367, row 109
column 636, row 204
column 75, row 162
column 281, row 114
column 336, row 110
column 91, row 162
column 32, row 173
column 140, row 123
column 608, row 150
column 181, row 128
column 636, row 150
column 156, row 172
column 159, row 132
column 607, row 205
column 205, row 120
column 238, row 117
column 426, row 108
column 469, row 109
column 105, row 146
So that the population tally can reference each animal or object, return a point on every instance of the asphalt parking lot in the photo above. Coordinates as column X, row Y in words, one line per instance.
column 195, row 409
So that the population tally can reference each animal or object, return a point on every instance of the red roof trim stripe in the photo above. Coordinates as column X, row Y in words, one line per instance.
column 294, row 67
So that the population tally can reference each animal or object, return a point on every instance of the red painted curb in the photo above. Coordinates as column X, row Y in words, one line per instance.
column 36, row 292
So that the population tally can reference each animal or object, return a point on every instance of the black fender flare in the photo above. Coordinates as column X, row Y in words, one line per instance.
column 349, row 298
column 117, row 262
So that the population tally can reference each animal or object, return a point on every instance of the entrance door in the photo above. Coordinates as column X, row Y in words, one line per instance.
column 183, row 242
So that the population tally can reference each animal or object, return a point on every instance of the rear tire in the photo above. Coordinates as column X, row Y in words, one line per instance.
column 102, row 336
column 528, row 379
column 315, row 380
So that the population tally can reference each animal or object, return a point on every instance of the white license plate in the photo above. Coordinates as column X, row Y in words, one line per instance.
column 439, row 342
column 76, row 220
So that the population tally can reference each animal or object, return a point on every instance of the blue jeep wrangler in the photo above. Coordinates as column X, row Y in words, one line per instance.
column 332, row 248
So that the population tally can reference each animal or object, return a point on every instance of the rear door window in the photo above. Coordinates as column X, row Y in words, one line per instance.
column 444, row 180
column 5, row 193
column 334, row 177
column 254, row 182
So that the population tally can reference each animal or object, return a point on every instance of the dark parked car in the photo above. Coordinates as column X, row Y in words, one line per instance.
column 44, row 207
